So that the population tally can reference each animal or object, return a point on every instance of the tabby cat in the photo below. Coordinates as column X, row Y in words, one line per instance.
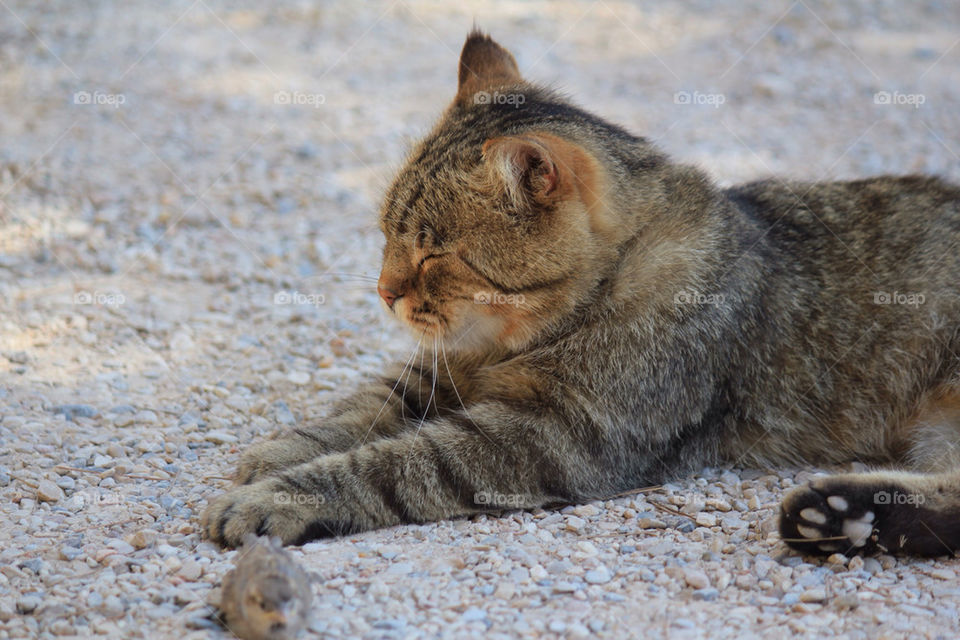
column 596, row 318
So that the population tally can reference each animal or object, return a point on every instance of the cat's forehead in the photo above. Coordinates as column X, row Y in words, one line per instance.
column 427, row 190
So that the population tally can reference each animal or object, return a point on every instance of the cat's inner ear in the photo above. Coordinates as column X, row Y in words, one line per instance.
column 528, row 166
column 484, row 65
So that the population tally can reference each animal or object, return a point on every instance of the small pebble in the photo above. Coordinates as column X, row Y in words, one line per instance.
column 705, row 519
column 473, row 614
column 872, row 565
column 651, row 523
column 143, row 538
column 600, row 575
column 28, row 604
column 586, row 510
column 47, row 491
column 113, row 606
column 122, row 408
column 190, row 570
column 145, row 417
column 708, row 594
column 813, row 595
column 575, row 523
column 298, row 377
column 120, row 546
column 220, row 437
column 71, row 411
column 696, row 578
column 124, row 420
column 69, row 553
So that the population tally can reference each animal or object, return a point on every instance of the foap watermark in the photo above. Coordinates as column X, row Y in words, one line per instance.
column 906, row 299
column 485, row 97
column 92, row 498
column 299, row 99
column 295, row 297
column 898, row 498
column 501, row 500
column 305, row 499
column 99, row 98
column 99, row 298
column 494, row 297
column 899, row 99
column 697, row 298
column 696, row 98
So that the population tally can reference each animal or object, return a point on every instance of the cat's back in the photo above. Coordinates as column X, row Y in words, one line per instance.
column 880, row 220
column 848, row 203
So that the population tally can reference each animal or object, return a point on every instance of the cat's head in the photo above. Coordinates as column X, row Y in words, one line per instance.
column 502, row 220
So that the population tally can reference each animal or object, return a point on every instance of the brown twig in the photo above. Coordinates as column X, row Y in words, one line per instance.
column 666, row 509
column 29, row 483
column 78, row 469
column 633, row 492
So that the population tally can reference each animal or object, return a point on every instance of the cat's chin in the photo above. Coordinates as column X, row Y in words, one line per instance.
column 477, row 333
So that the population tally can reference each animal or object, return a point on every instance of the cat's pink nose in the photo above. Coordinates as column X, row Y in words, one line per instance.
column 389, row 295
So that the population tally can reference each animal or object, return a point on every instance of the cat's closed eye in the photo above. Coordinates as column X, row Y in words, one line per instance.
column 427, row 258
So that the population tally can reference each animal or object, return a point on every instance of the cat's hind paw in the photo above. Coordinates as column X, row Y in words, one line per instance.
column 836, row 514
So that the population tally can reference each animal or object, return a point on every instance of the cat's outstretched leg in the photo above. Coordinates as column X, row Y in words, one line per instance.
column 379, row 409
column 494, row 458
column 884, row 511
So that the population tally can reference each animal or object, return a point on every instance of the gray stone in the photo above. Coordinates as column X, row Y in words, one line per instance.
column 71, row 411
column 473, row 614
column 600, row 575
column 122, row 408
column 69, row 553
column 28, row 604
column 282, row 413
column 707, row 594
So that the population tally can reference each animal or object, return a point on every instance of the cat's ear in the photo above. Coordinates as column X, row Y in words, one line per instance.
column 530, row 166
column 484, row 65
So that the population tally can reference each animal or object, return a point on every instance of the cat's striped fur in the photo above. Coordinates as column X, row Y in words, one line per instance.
column 598, row 318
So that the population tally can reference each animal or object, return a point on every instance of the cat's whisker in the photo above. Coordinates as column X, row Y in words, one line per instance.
column 392, row 391
column 436, row 366
column 420, row 372
column 443, row 350
column 359, row 276
column 426, row 410
column 403, row 403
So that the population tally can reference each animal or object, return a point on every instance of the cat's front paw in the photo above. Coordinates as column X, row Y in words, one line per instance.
column 833, row 514
column 267, row 507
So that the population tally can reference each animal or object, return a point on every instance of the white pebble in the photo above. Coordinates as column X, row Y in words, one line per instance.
column 600, row 575
column 696, row 578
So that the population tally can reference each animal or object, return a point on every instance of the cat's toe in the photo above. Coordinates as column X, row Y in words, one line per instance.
column 829, row 515
column 261, row 508
column 269, row 457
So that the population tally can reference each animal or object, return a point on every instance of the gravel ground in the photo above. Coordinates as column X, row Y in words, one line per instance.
column 186, row 252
